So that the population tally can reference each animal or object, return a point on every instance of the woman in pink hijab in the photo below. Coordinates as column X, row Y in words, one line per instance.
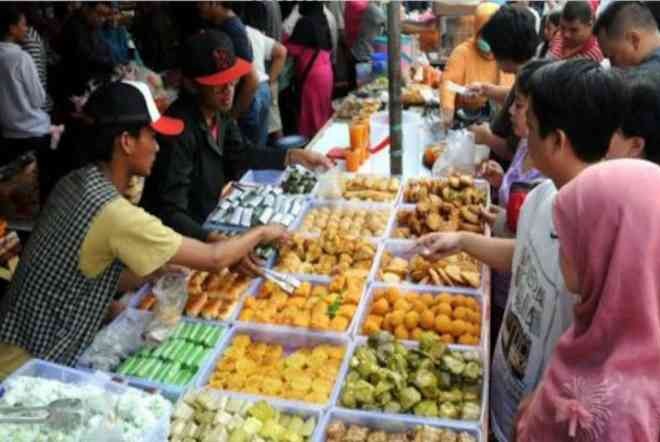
column 602, row 382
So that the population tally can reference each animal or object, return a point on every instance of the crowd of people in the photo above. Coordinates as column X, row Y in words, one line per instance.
column 570, row 95
column 572, row 357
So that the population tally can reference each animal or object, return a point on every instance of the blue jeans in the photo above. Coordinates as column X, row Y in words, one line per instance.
column 254, row 124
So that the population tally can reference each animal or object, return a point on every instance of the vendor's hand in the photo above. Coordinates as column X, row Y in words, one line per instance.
column 492, row 172
column 491, row 214
column 481, row 133
column 250, row 266
column 447, row 118
column 309, row 159
column 435, row 246
column 215, row 237
column 273, row 232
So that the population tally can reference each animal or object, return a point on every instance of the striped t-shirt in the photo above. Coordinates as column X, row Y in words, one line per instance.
column 35, row 46
column 589, row 50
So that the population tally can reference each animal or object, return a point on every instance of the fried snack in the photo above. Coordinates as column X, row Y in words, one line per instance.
column 147, row 302
column 318, row 307
column 371, row 188
column 353, row 106
column 307, row 374
column 454, row 318
column 458, row 190
column 459, row 270
column 211, row 295
column 346, row 221
column 325, row 255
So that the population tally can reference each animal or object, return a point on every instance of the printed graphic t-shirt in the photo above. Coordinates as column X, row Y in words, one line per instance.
column 538, row 311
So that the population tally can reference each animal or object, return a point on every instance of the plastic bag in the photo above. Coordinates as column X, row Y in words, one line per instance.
column 115, row 342
column 329, row 184
column 458, row 156
column 171, row 292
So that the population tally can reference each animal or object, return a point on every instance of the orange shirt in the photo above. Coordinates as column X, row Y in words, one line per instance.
column 466, row 66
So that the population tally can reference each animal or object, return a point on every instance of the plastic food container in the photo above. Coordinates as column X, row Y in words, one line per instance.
column 352, row 205
column 168, row 390
column 391, row 424
column 435, row 291
column 262, row 177
column 286, row 407
column 314, row 281
column 290, row 341
column 401, row 248
column 344, row 176
column 47, row 370
column 411, row 208
column 360, row 341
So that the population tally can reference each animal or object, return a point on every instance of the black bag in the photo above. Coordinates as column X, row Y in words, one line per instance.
column 291, row 99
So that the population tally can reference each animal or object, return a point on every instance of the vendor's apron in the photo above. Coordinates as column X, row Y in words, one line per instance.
column 51, row 309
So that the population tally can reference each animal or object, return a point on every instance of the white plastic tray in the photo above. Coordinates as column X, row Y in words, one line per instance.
column 360, row 341
column 314, row 281
column 291, row 341
column 435, row 291
column 478, row 182
column 391, row 424
column 376, row 243
column 348, row 175
column 287, row 407
column 47, row 370
column 168, row 390
column 399, row 247
column 343, row 204
column 411, row 207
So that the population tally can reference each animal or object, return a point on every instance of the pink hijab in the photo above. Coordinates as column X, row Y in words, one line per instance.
column 603, row 380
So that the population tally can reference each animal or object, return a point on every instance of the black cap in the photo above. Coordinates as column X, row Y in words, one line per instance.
column 129, row 102
column 209, row 58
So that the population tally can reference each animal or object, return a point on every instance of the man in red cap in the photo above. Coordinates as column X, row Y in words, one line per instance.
column 91, row 241
column 192, row 168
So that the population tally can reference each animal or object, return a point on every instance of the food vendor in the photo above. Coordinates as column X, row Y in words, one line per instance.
column 471, row 62
column 191, row 168
column 90, row 241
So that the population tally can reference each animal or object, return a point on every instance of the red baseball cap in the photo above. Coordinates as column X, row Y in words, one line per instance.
column 209, row 58
column 131, row 102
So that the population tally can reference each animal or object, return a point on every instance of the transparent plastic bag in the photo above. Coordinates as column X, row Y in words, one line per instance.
column 458, row 156
column 330, row 185
column 115, row 342
column 171, row 292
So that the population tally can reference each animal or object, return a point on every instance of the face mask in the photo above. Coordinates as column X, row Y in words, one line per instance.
column 483, row 46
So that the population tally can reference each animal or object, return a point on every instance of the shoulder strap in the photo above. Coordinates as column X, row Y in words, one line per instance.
column 309, row 67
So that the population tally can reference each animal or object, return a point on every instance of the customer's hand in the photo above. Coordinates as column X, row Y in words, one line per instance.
column 272, row 232
column 309, row 159
column 481, row 132
column 522, row 409
column 435, row 246
column 481, row 89
column 491, row 214
column 492, row 172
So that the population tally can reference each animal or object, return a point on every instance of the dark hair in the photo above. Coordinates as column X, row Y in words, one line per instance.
column 9, row 16
column 577, row 10
column 553, row 18
column 511, row 34
column 525, row 75
column 620, row 16
column 581, row 98
column 101, row 140
column 642, row 115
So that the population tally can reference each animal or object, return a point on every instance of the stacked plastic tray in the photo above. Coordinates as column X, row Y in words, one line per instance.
column 292, row 338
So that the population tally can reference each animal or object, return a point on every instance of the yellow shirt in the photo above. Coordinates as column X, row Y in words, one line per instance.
column 128, row 233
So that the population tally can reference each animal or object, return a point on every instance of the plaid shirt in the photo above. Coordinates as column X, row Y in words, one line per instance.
column 51, row 309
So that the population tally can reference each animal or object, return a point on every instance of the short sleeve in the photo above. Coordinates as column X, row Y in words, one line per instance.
column 125, row 232
column 269, row 44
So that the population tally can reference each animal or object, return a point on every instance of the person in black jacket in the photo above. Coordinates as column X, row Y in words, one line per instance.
column 193, row 167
